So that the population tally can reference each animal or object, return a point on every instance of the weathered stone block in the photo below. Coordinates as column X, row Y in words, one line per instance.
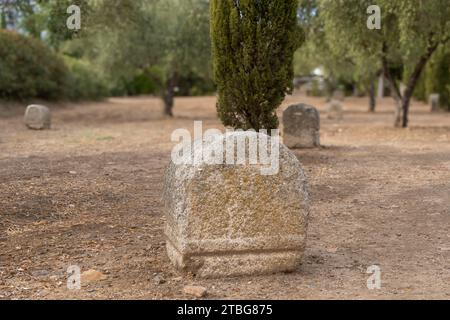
column 301, row 127
column 335, row 110
column 228, row 220
column 434, row 102
column 37, row 117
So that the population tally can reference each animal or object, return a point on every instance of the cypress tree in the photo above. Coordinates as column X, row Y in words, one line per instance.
column 253, row 44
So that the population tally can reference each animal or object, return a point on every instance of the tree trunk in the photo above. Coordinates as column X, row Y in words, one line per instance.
column 395, row 91
column 372, row 97
column 398, row 114
column 170, row 94
column 406, row 100
column 403, row 101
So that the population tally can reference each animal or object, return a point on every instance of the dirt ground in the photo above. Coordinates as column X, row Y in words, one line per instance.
column 87, row 193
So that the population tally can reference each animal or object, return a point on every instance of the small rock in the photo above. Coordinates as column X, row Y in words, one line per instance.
column 72, row 172
column 195, row 291
column 92, row 276
column 177, row 279
column 332, row 250
column 159, row 280
column 40, row 273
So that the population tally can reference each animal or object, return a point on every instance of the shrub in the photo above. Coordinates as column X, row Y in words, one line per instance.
column 28, row 69
column 437, row 78
column 253, row 49
column 193, row 84
column 84, row 83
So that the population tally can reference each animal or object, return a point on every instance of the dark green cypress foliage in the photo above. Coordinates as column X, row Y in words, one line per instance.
column 253, row 44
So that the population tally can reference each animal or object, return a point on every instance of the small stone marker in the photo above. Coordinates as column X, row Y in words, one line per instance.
column 335, row 110
column 37, row 117
column 301, row 127
column 434, row 102
column 230, row 220
column 338, row 95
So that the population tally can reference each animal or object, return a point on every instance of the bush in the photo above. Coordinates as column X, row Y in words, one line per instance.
column 193, row 84
column 437, row 78
column 420, row 92
column 28, row 69
column 152, row 81
column 148, row 81
column 143, row 82
column 84, row 83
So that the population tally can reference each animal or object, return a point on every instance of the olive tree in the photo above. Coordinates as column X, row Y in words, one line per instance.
column 411, row 32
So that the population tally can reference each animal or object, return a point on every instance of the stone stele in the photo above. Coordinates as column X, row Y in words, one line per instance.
column 37, row 117
column 335, row 110
column 301, row 127
column 434, row 102
column 230, row 220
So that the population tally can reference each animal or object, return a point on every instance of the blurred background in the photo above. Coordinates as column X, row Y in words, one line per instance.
column 162, row 48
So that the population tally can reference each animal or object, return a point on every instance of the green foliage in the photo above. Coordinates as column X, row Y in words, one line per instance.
column 437, row 77
column 420, row 93
column 411, row 31
column 143, row 83
column 172, row 35
column 83, row 82
column 315, row 89
column 148, row 81
column 28, row 69
column 253, row 46
column 11, row 12
column 54, row 13
column 124, row 46
column 193, row 84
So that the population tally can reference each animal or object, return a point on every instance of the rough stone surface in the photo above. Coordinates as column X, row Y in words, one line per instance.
column 335, row 110
column 37, row 117
column 195, row 291
column 301, row 127
column 434, row 102
column 228, row 220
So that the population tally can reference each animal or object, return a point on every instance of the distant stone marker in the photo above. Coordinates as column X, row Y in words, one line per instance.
column 335, row 110
column 230, row 220
column 434, row 102
column 338, row 95
column 301, row 127
column 37, row 117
